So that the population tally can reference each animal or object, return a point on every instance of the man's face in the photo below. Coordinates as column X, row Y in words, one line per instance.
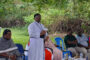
column 70, row 32
column 38, row 18
column 8, row 36
column 79, row 33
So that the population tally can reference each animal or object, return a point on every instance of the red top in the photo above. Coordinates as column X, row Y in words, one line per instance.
column 48, row 55
column 89, row 41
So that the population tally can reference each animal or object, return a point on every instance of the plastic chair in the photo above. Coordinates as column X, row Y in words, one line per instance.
column 58, row 39
column 26, row 52
column 21, row 50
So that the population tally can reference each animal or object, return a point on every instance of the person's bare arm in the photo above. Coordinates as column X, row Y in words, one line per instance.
column 46, row 38
column 75, row 42
column 12, row 57
column 42, row 33
column 56, row 45
column 72, row 42
column 4, row 55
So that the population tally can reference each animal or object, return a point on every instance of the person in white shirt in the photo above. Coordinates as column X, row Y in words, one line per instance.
column 37, row 33
column 82, row 39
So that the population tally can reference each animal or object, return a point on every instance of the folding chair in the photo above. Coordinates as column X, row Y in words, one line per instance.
column 58, row 39
column 21, row 50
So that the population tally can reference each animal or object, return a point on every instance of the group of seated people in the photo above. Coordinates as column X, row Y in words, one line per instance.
column 77, row 44
column 6, row 42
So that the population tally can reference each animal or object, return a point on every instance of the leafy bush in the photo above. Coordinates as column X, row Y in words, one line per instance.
column 48, row 16
column 29, row 19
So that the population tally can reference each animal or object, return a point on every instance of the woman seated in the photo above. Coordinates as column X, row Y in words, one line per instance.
column 57, row 54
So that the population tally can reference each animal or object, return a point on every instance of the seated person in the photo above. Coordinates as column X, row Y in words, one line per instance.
column 5, row 43
column 71, row 44
column 82, row 39
column 57, row 54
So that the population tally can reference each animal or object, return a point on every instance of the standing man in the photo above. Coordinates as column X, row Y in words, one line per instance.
column 37, row 33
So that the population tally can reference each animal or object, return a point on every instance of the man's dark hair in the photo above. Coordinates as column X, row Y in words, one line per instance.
column 37, row 14
column 6, row 31
column 69, row 29
column 80, row 30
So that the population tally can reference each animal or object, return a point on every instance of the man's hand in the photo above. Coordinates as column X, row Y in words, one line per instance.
column 42, row 33
column 4, row 54
column 75, row 42
column 13, row 57
column 89, row 46
column 46, row 38
column 72, row 42
column 69, row 42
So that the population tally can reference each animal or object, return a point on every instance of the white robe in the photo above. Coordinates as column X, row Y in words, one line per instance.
column 36, row 49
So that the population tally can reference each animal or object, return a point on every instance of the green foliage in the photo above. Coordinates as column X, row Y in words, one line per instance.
column 48, row 17
column 29, row 19
column 72, row 8
column 51, row 11
column 78, row 9
column 10, row 10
